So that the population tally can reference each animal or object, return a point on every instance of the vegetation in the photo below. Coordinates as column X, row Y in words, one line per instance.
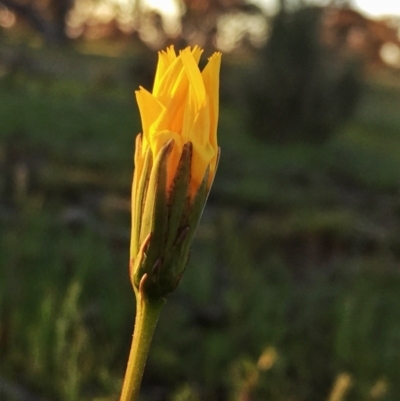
column 293, row 288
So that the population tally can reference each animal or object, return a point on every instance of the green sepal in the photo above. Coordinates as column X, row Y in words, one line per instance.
column 154, row 215
column 138, row 200
column 192, row 221
column 179, row 195
column 137, row 171
column 175, row 261
column 139, row 263
column 177, row 256
column 169, row 223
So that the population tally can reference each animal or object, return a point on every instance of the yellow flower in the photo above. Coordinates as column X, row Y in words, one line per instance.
column 175, row 162
column 182, row 107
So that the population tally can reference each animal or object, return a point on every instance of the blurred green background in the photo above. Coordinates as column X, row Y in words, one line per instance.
column 293, row 288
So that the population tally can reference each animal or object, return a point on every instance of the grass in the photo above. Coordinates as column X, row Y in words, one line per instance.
column 292, row 291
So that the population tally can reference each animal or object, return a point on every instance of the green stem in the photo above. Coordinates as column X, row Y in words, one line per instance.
column 147, row 314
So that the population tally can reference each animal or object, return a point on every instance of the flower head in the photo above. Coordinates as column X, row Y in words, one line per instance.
column 175, row 163
column 183, row 107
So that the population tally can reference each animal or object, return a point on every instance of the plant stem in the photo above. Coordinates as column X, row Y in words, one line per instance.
column 147, row 314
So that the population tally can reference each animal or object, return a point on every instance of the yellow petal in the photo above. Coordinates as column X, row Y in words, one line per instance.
column 202, row 149
column 149, row 107
column 174, row 103
column 194, row 76
column 189, row 115
column 200, row 129
column 210, row 76
column 171, row 54
column 199, row 168
column 196, row 53
column 165, row 59
column 184, row 107
column 167, row 81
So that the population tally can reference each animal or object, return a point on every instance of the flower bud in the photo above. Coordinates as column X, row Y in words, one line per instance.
column 175, row 162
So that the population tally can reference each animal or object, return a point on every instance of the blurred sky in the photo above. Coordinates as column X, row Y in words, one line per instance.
column 256, row 27
column 378, row 7
column 230, row 29
column 375, row 8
